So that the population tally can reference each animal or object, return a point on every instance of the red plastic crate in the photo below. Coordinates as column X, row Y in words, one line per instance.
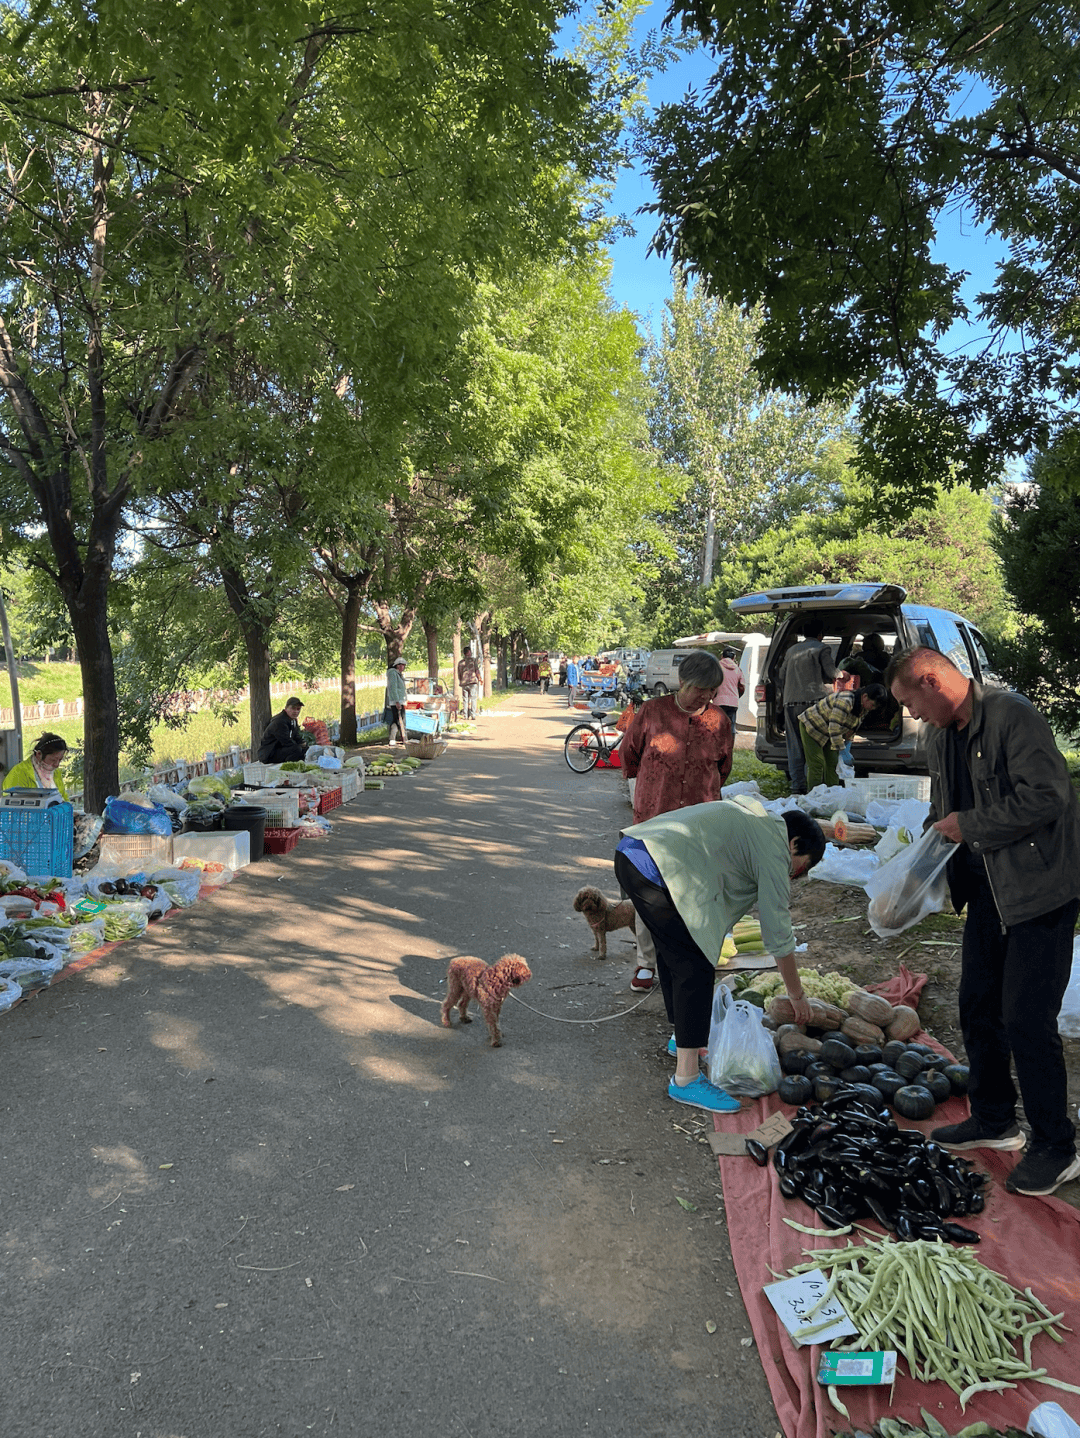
column 330, row 800
column 280, row 841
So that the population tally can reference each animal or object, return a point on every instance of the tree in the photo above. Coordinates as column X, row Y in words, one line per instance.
column 942, row 556
column 1037, row 534
column 166, row 186
column 812, row 178
column 745, row 452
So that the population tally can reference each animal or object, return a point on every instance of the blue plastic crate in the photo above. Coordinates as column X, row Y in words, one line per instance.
column 39, row 841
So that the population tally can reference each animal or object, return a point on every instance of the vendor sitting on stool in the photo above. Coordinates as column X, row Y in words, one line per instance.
column 42, row 769
column 283, row 740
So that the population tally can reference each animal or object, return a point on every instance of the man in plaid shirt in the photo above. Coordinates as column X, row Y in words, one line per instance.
column 829, row 724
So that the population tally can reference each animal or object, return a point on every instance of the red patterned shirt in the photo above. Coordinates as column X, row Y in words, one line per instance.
column 677, row 759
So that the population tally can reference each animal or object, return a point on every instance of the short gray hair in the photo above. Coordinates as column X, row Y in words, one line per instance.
column 701, row 670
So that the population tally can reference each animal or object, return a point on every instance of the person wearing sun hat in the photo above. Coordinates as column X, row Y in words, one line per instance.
column 283, row 740
column 394, row 712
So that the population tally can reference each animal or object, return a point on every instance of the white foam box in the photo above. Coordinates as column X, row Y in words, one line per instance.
column 231, row 847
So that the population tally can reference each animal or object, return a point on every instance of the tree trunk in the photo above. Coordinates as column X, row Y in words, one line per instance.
column 350, row 621
column 503, row 648
column 709, row 547
column 456, row 661
column 483, row 627
column 431, row 634
column 255, row 628
column 101, row 728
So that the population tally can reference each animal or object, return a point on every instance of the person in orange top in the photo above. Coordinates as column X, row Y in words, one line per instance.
column 678, row 750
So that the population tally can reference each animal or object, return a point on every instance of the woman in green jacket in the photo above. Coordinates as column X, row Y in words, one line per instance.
column 42, row 769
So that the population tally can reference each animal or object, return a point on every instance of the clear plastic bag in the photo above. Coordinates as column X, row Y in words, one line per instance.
column 182, row 885
column 722, row 1001
column 846, row 866
column 1069, row 1016
column 10, row 994
column 911, row 885
column 746, row 1061
column 1050, row 1420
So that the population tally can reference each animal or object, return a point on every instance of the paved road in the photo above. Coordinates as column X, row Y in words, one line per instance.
column 250, row 1186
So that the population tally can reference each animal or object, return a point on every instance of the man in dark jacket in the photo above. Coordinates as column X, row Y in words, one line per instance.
column 806, row 675
column 283, row 739
column 1000, row 790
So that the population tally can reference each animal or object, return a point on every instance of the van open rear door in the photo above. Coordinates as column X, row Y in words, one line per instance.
column 821, row 597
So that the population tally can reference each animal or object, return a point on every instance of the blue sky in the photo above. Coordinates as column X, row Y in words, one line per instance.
column 643, row 282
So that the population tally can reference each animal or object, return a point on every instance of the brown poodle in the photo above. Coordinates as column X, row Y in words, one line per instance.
column 604, row 915
column 473, row 979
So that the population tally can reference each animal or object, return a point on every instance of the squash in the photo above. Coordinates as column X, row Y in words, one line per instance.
column 888, row 1084
column 937, row 1083
column 871, row 1007
column 794, row 1061
column 868, row 1054
column 795, row 1089
column 826, row 1086
column 856, row 1074
column 793, row 1038
column 859, row 1031
column 838, row 1053
column 914, row 1102
column 892, row 1051
column 910, row 1064
column 904, row 1023
column 825, row 1016
column 781, row 1009
column 959, row 1077
column 768, row 1022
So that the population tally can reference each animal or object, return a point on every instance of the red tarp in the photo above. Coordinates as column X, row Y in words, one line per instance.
column 1032, row 1242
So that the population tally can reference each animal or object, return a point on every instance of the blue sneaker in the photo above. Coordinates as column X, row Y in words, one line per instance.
column 702, row 1094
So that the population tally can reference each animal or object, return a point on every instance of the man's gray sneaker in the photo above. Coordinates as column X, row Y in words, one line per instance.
column 973, row 1133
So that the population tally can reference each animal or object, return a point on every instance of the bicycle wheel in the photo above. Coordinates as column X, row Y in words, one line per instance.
column 582, row 748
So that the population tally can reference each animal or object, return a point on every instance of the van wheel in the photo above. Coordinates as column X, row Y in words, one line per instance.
column 659, row 690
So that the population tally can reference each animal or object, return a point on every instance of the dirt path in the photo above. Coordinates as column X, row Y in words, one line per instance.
column 251, row 1186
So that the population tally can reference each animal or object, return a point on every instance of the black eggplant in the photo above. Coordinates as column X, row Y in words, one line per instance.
column 976, row 1203
column 788, row 1187
column 877, row 1211
column 831, row 1216
column 957, row 1234
column 757, row 1151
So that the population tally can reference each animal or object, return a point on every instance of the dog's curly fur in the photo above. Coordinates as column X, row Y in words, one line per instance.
column 488, row 984
column 604, row 915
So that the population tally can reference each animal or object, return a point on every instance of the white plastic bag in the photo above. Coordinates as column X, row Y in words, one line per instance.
column 746, row 1061
column 1069, row 1017
column 911, row 885
column 846, row 866
column 722, row 1001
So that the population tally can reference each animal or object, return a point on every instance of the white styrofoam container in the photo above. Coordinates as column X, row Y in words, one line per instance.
column 231, row 847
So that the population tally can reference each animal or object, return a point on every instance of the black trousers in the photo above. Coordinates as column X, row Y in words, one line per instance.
column 686, row 976
column 1011, row 987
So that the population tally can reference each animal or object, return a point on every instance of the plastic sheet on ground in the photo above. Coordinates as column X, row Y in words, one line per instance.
column 896, row 813
column 824, row 800
column 1031, row 1241
column 846, row 866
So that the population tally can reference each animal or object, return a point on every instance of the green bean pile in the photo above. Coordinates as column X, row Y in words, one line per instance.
column 953, row 1319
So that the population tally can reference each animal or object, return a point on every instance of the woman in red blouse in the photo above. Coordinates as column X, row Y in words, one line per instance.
column 678, row 749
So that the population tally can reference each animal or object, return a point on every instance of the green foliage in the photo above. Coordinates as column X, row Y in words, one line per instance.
column 744, row 453
column 1037, row 534
column 812, row 175
column 942, row 556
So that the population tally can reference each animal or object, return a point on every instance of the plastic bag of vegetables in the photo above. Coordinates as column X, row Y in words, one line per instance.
column 744, row 1060
column 206, row 786
column 124, row 921
column 911, row 885
column 182, row 886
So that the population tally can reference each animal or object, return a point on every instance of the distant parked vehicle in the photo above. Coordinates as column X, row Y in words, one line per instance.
column 752, row 650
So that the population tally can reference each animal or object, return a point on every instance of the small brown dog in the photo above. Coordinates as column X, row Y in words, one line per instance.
column 604, row 915
column 488, row 984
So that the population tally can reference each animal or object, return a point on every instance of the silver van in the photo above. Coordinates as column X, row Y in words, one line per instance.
column 893, row 745
column 662, row 671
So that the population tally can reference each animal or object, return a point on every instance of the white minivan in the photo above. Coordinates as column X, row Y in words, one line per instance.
column 752, row 649
column 893, row 745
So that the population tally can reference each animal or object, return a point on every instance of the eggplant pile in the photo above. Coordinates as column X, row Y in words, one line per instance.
column 848, row 1158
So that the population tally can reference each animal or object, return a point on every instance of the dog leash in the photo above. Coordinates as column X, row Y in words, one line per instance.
column 555, row 1019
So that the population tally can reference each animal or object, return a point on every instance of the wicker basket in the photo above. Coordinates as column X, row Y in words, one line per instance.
column 428, row 747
